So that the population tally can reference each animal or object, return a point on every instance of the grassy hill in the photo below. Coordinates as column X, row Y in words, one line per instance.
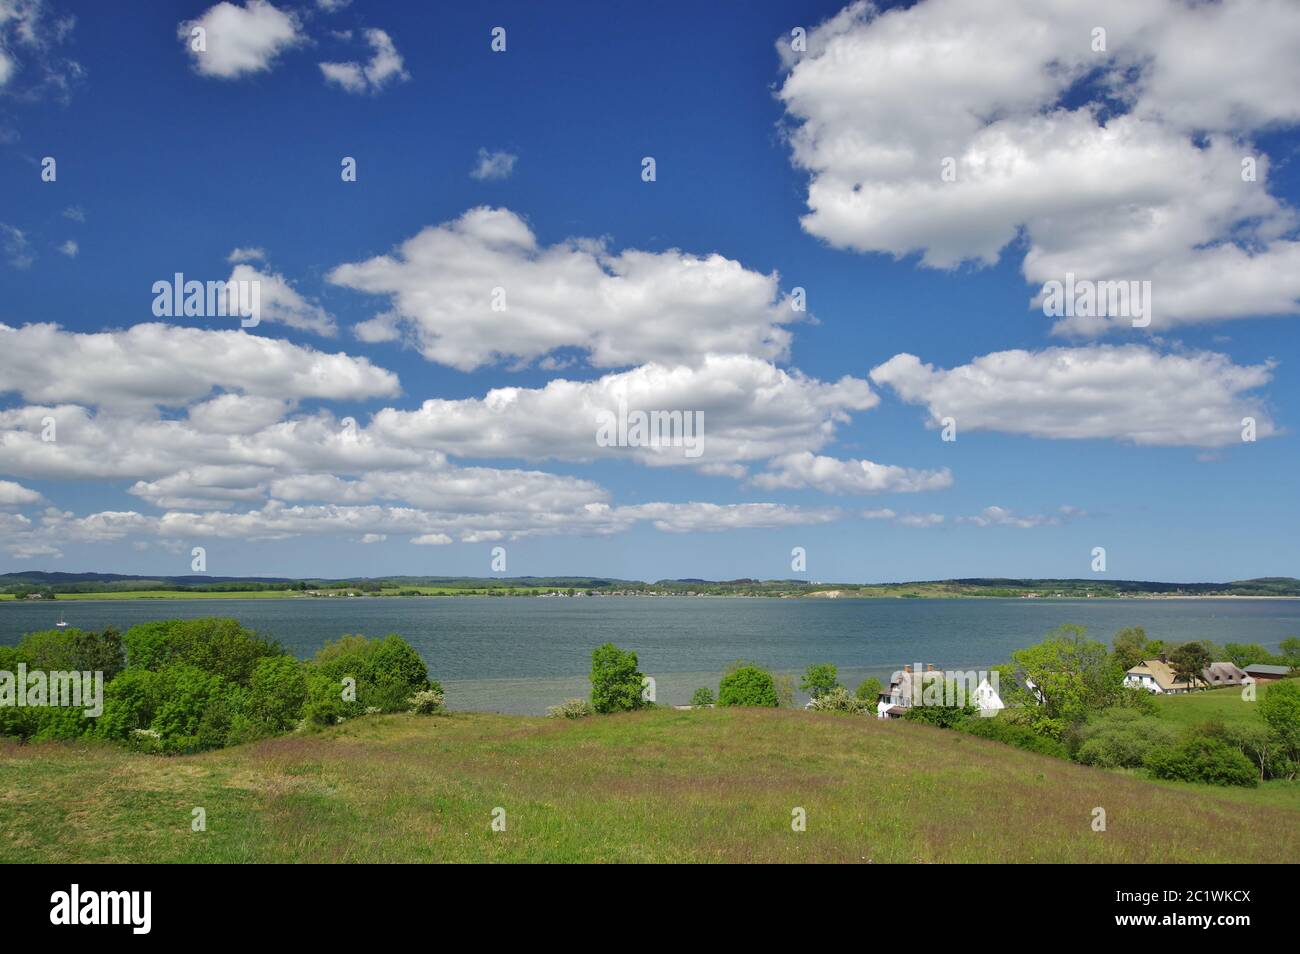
column 661, row 785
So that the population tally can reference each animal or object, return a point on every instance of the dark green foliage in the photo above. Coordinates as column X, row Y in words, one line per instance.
column 386, row 672
column 1188, row 660
column 1004, row 730
column 748, row 685
column 73, row 650
column 702, row 696
column 201, row 684
column 945, row 717
column 218, row 646
column 616, row 683
column 1199, row 758
column 1122, row 738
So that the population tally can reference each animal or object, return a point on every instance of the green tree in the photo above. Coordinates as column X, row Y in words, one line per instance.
column 1075, row 675
column 615, row 680
column 1130, row 646
column 1188, row 660
column 819, row 679
column 748, row 685
column 1289, row 649
column 1245, row 654
column 869, row 690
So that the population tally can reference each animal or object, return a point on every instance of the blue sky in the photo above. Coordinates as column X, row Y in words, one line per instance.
column 818, row 169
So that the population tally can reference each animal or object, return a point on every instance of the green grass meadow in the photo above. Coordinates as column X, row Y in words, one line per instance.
column 662, row 785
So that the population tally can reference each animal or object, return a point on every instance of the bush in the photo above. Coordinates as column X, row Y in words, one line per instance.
column 945, row 717
column 1122, row 738
column 748, row 685
column 1200, row 758
column 616, row 683
column 426, row 701
column 387, row 671
column 839, row 699
column 199, row 684
column 1013, row 733
column 570, row 709
column 702, row 696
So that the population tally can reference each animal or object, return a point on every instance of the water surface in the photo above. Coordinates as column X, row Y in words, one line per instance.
column 521, row 654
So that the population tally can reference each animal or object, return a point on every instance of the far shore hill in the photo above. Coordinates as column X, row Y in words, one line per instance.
column 40, row 585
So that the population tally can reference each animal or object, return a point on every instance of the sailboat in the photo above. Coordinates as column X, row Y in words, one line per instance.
column 62, row 623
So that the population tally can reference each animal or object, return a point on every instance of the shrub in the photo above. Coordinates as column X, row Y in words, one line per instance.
column 426, row 701
column 838, row 699
column 702, row 696
column 869, row 690
column 1199, row 758
column 945, row 717
column 387, row 671
column 747, row 685
column 1013, row 733
column 615, row 681
column 570, row 709
column 1122, row 738
column 819, row 679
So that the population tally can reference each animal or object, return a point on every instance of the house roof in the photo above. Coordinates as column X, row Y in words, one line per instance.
column 1221, row 673
column 1265, row 670
column 1161, row 672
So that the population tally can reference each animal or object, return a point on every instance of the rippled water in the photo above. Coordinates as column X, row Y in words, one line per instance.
column 521, row 654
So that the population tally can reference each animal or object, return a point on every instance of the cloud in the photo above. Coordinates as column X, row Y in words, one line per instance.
column 240, row 40
column 906, row 519
column 16, row 248
column 832, row 476
column 247, row 255
column 691, row 517
column 280, row 303
column 171, row 365
column 493, row 165
column 70, row 248
column 75, row 213
column 1116, row 165
column 16, row 495
column 432, row 540
column 481, row 289
column 29, row 64
column 1002, row 517
column 1131, row 393
column 385, row 67
column 751, row 410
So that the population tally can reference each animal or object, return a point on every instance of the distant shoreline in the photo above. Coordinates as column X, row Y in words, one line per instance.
column 182, row 596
